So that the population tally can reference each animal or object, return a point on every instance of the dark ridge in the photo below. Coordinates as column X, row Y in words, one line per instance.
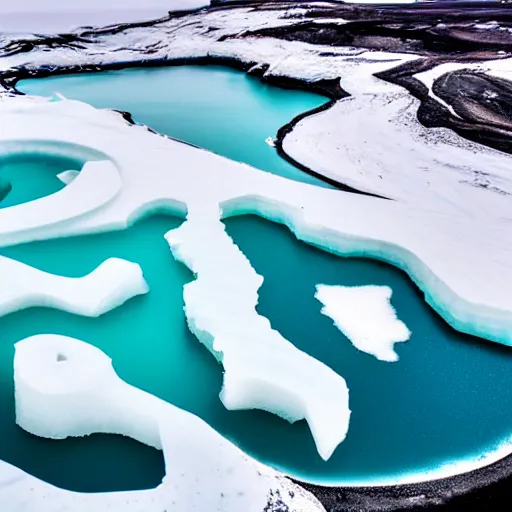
column 479, row 121
column 461, row 10
column 417, row 36
column 478, row 98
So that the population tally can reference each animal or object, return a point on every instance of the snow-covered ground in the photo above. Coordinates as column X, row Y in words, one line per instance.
column 380, row 147
column 365, row 316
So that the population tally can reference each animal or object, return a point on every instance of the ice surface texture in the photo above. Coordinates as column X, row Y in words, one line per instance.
column 365, row 316
column 65, row 387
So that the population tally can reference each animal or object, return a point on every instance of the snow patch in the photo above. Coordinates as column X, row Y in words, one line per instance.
column 364, row 314
column 108, row 286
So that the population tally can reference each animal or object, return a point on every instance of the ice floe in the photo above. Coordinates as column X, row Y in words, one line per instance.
column 261, row 368
column 97, row 184
column 108, row 286
column 364, row 314
column 65, row 387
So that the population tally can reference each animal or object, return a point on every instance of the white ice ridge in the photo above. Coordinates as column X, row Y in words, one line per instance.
column 364, row 314
column 65, row 387
column 109, row 285
column 262, row 370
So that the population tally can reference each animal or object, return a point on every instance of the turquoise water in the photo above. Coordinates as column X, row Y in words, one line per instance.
column 445, row 399
column 29, row 176
column 214, row 107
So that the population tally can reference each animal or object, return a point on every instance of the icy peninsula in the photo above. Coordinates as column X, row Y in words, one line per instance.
column 406, row 164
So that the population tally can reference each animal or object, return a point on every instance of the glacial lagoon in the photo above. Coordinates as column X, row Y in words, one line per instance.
column 441, row 402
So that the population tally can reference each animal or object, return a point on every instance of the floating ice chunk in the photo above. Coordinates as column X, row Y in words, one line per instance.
column 67, row 176
column 262, row 370
column 271, row 141
column 364, row 314
column 65, row 387
column 106, row 287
